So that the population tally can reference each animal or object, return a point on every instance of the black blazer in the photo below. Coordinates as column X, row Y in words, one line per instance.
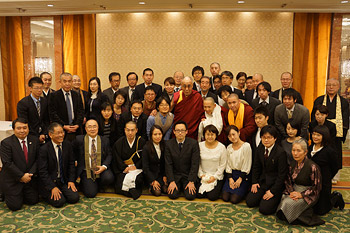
column 141, row 124
column 47, row 165
column 140, row 91
column 58, row 109
column 110, row 94
column 271, row 172
column 128, row 100
column 212, row 95
column 182, row 164
column 238, row 92
column 248, row 96
column 26, row 108
column 96, row 106
column 276, row 94
column 79, row 152
column 273, row 103
column 152, row 166
column 14, row 163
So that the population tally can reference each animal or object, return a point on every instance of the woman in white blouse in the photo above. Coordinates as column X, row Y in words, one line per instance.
column 212, row 164
column 239, row 162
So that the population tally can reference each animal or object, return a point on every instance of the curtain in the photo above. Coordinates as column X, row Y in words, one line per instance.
column 12, row 63
column 312, row 36
column 79, row 46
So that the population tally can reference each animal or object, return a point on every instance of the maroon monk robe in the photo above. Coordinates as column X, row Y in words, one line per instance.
column 189, row 109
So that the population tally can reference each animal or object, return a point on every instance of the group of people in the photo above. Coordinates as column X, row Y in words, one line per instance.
column 199, row 135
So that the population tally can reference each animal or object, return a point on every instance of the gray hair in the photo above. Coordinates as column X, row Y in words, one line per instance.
column 66, row 74
column 302, row 142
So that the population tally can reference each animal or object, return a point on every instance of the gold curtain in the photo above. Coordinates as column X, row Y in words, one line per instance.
column 12, row 63
column 312, row 35
column 79, row 46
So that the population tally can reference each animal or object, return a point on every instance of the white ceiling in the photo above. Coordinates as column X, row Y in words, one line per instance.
column 39, row 7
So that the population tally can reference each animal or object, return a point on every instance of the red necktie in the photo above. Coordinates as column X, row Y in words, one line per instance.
column 266, row 155
column 25, row 150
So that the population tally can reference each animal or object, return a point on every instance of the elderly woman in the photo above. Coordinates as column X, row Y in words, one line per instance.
column 303, row 186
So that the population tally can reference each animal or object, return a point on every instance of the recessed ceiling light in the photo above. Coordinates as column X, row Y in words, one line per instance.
column 240, row 2
column 344, row 2
column 50, row 5
column 142, row 3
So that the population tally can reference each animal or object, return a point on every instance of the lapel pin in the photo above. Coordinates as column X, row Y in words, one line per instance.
column 30, row 143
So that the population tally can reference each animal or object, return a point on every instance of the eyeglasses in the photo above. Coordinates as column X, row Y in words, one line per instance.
column 180, row 130
column 92, row 127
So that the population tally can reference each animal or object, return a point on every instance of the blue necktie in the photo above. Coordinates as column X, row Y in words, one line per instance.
column 60, row 162
column 69, row 109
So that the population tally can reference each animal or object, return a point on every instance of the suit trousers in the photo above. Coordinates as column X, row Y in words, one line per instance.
column 266, row 207
column 67, row 195
column 90, row 187
column 29, row 195
column 182, row 185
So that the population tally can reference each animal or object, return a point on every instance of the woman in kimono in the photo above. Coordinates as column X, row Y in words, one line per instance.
column 303, row 186
column 127, row 162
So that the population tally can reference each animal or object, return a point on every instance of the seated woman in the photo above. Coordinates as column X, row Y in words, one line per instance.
column 149, row 103
column 153, row 162
column 163, row 118
column 212, row 164
column 119, row 104
column 324, row 156
column 169, row 85
column 95, row 99
column 127, row 162
column 321, row 115
column 293, row 131
column 303, row 186
column 239, row 162
column 107, row 124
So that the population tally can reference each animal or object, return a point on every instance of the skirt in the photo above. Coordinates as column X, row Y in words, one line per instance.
column 243, row 188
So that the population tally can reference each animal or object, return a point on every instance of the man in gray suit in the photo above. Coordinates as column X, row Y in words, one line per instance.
column 132, row 80
column 298, row 114
column 114, row 80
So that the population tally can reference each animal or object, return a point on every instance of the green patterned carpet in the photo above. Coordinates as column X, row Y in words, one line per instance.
column 103, row 214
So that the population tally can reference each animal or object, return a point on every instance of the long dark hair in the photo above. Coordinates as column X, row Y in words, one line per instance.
column 99, row 85
column 149, row 144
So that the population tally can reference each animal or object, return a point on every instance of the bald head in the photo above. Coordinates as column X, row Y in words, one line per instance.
column 332, row 87
column 209, row 105
column 178, row 77
column 257, row 78
column 186, row 85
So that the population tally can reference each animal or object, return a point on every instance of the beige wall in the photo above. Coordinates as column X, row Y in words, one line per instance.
column 166, row 42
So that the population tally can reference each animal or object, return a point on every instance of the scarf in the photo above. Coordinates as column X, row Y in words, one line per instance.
column 238, row 122
column 338, row 121
column 168, row 121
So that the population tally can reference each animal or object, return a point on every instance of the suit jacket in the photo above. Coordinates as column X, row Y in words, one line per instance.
column 79, row 152
column 212, row 95
column 128, row 100
column 14, row 163
column 271, row 172
column 110, row 94
column 344, row 110
column 96, row 106
column 182, row 164
column 273, row 103
column 276, row 95
column 85, row 97
column 300, row 115
column 141, row 124
column 153, row 167
column 58, row 109
column 26, row 108
column 140, row 91
column 248, row 96
column 47, row 165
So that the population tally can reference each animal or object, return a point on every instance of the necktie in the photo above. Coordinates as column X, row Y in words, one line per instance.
column 289, row 113
column 266, row 155
column 25, row 150
column 134, row 119
column 264, row 103
column 60, row 162
column 132, row 93
column 69, row 109
column 93, row 155
column 180, row 146
column 38, row 107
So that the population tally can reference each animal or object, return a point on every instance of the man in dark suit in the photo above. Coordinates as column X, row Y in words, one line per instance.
column 66, row 108
column 287, row 82
column 253, row 93
column 35, row 110
column 132, row 79
column 261, row 117
column 227, row 79
column 114, row 80
column 96, row 150
column 181, row 163
column 264, row 90
column 205, row 89
column 19, row 154
column 291, row 110
column 269, row 173
column 215, row 69
column 197, row 74
column 57, row 170
column 135, row 114
column 76, row 84
column 47, row 80
column 147, row 76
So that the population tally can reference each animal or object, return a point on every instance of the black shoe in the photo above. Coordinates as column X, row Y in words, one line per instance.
column 2, row 197
column 340, row 202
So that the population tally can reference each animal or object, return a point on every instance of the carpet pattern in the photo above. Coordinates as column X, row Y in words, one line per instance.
column 103, row 214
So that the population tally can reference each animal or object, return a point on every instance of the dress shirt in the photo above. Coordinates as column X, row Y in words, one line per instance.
column 157, row 147
column 269, row 149
column 267, row 100
column 90, row 144
column 20, row 142
column 257, row 137
column 58, row 161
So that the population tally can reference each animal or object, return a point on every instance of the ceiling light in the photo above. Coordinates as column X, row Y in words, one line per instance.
column 50, row 5
column 142, row 3
column 240, row 2
column 344, row 1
